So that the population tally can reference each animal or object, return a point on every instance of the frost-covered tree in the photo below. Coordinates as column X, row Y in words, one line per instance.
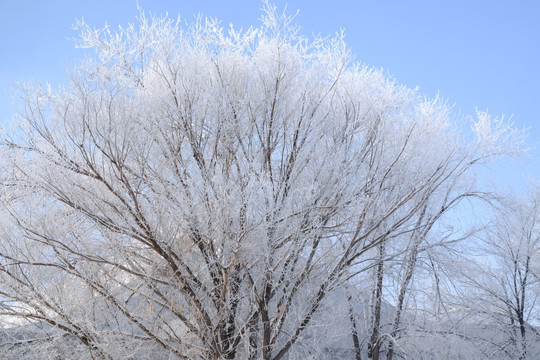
column 503, row 286
column 406, row 266
column 196, row 193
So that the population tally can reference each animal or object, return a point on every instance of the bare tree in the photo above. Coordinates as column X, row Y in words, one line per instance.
column 199, row 194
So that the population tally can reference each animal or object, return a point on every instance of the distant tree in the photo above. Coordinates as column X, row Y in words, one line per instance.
column 201, row 194
column 503, row 287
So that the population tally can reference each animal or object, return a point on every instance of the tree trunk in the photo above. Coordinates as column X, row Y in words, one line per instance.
column 354, row 331
column 373, row 345
column 409, row 270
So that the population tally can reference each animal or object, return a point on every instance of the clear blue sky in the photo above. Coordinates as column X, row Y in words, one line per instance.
column 483, row 54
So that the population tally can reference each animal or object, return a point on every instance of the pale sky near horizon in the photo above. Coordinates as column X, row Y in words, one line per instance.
column 483, row 54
